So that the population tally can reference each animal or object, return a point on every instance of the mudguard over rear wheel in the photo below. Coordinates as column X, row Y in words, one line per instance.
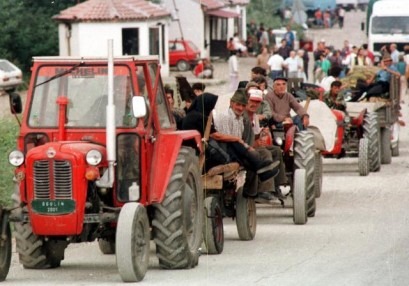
column 132, row 253
column 246, row 216
column 34, row 251
column 5, row 247
column 299, row 197
column 363, row 157
column 213, row 232
column 178, row 220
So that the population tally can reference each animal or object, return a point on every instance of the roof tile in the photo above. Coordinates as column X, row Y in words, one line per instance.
column 112, row 10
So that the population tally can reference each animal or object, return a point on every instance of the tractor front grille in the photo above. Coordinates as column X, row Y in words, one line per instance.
column 52, row 179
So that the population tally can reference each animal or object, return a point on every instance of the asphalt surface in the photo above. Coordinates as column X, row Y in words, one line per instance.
column 359, row 236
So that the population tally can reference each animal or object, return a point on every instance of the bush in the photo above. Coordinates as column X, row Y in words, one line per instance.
column 8, row 133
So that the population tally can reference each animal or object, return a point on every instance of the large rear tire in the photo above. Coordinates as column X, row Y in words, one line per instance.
column 34, row 252
column 178, row 220
column 304, row 158
column 299, row 197
column 372, row 132
column 386, row 152
column 5, row 248
column 213, row 231
column 132, row 253
column 246, row 216
column 363, row 157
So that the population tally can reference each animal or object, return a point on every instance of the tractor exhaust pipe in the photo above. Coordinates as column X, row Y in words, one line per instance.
column 107, row 180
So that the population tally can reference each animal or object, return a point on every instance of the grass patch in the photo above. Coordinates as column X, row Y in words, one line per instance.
column 8, row 134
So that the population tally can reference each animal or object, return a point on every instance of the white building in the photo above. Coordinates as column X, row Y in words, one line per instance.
column 207, row 23
column 138, row 27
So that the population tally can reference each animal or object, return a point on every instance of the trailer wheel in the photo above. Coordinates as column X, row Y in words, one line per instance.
column 5, row 248
column 246, row 216
column 34, row 252
column 372, row 132
column 132, row 254
column 106, row 246
column 304, row 158
column 363, row 157
column 299, row 197
column 178, row 220
column 386, row 152
column 213, row 232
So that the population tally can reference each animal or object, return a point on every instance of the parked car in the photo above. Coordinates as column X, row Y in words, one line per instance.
column 183, row 54
column 10, row 75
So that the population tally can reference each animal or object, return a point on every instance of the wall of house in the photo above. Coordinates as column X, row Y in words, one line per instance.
column 90, row 39
column 191, row 21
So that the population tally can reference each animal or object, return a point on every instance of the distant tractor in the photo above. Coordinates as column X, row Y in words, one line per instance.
column 99, row 158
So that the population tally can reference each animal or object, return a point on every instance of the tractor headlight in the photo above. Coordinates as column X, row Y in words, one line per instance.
column 94, row 157
column 279, row 141
column 347, row 119
column 16, row 158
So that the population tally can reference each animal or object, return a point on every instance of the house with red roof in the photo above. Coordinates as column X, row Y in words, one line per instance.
column 137, row 27
column 207, row 23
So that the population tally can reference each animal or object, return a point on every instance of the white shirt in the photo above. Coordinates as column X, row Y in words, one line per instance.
column 326, row 82
column 276, row 62
column 292, row 64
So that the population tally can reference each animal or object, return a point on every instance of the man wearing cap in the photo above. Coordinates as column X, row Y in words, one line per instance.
column 252, row 132
column 232, row 124
column 281, row 103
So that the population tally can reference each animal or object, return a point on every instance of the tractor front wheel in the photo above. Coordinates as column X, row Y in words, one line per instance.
column 178, row 220
column 299, row 197
column 246, row 217
column 372, row 132
column 34, row 251
column 132, row 253
column 5, row 247
column 213, row 232
column 363, row 157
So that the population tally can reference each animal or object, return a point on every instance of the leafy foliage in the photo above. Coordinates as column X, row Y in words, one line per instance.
column 8, row 130
column 28, row 29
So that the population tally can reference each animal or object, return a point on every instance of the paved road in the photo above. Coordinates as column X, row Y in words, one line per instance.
column 360, row 235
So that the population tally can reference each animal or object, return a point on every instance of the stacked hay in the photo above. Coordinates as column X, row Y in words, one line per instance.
column 358, row 73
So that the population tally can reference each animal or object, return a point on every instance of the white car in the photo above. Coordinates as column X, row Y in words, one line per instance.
column 10, row 75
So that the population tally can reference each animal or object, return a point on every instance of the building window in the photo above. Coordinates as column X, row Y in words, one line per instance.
column 130, row 41
column 153, row 41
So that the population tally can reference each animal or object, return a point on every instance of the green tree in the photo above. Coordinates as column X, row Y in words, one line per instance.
column 28, row 29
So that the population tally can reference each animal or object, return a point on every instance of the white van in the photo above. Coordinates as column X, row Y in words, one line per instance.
column 389, row 23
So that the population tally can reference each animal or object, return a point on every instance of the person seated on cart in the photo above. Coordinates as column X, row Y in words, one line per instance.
column 379, row 83
column 232, row 122
column 253, row 135
column 281, row 102
column 333, row 98
column 237, row 150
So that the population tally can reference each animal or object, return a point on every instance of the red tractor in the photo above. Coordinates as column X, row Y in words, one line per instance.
column 99, row 158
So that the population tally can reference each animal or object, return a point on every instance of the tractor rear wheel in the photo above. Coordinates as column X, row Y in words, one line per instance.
column 213, row 232
column 132, row 253
column 386, row 152
column 106, row 246
column 34, row 251
column 363, row 157
column 246, row 216
column 5, row 248
column 304, row 158
column 178, row 220
column 318, row 174
column 372, row 132
column 299, row 197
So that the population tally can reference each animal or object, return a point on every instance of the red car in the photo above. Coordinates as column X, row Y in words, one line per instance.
column 183, row 54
